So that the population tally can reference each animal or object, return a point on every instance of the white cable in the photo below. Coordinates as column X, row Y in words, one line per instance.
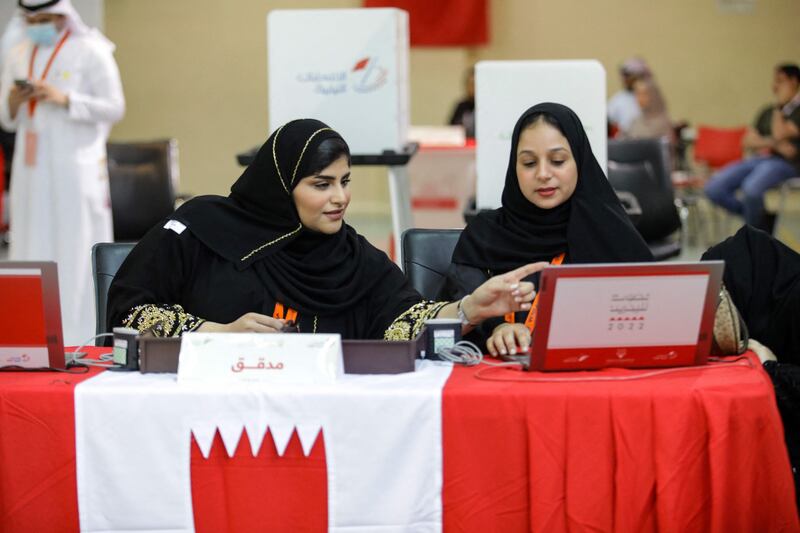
column 462, row 353
column 105, row 360
column 468, row 354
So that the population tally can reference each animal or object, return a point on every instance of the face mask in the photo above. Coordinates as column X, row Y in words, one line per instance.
column 43, row 34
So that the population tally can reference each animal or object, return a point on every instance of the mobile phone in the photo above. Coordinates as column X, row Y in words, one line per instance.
column 23, row 84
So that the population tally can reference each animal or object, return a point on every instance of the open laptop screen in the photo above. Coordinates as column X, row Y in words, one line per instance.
column 30, row 315
column 636, row 315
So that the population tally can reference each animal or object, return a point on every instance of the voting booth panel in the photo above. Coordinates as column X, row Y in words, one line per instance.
column 346, row 67
column 505, row 89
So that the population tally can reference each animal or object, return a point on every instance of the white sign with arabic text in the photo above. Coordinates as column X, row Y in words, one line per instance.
column 255, row 358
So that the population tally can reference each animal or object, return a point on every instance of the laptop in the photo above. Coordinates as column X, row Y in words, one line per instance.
column 30, row 316
column 635, row 315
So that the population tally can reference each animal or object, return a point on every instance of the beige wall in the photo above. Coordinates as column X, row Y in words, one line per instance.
column 196, row 69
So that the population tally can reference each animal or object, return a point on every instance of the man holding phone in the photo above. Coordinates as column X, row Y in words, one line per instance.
column 61, row 92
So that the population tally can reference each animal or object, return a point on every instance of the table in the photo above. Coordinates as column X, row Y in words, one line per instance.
column 686, row 450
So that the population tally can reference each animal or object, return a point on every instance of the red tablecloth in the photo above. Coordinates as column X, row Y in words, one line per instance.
column 698, row 450
column 37, row 452
column 687, row 450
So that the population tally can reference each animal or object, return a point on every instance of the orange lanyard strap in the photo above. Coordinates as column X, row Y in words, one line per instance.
column 530, row 320
column 291, row 314
column 32, row 102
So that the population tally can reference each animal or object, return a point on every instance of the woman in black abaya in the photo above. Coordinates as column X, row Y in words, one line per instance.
column 557, row 206
column 277, row 251
column 762, row 276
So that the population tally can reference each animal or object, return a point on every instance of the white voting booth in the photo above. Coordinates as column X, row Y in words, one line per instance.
column 505, row 89
column 349, row 69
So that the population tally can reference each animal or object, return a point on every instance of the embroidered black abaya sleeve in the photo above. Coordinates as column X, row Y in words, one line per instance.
column 147, row 291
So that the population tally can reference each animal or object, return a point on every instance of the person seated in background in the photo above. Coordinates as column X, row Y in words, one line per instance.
column 654, row 121
column 464, row 112
column 623, row 107
column 557, row 206
column 276, row 253
column 775, row 139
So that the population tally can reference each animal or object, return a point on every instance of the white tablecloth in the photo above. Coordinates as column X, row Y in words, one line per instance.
column 383, row 442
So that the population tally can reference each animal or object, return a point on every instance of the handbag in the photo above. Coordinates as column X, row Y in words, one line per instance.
column 730, row 330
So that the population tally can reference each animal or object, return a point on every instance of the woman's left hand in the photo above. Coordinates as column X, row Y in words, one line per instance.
column 502, row 294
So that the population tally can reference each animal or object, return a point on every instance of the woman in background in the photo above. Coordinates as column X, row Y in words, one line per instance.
column 654, row 121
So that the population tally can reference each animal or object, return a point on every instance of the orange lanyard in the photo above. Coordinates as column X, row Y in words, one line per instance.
column 530, row 320
column 32, row 102
column 291, row 314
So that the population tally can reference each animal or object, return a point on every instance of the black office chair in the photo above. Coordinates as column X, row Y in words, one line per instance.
column 142, row 178
column 427, row 254
column 659, row 223
column 106, row 260
column 655, row 151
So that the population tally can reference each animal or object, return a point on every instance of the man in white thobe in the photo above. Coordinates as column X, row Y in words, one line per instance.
column 61, row 92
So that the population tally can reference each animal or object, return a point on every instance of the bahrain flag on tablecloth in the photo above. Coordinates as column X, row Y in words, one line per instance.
column 137, row 438
column 443, row 22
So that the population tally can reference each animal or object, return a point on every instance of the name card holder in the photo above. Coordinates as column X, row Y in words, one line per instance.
column 236, row 358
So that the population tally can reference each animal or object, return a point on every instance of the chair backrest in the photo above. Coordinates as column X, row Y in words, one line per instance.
column 659, row 218
column 427, row 254
column 656, row 151
column 142, row 178
column 717, row 147
column 106, row 260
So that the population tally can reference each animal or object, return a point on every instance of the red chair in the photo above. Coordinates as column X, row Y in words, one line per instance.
column 713, row 149
column 716, row 147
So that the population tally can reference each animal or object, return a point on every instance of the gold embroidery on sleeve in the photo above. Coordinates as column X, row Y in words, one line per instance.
column 163, row 321
column 410, row 323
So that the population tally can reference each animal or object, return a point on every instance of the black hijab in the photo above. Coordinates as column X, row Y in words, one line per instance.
column 258, row 226
column 591, row 227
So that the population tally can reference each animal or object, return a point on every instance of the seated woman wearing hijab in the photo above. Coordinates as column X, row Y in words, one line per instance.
column 277, row 251
column 557, row 206
column 654, row 121
column 762, row 276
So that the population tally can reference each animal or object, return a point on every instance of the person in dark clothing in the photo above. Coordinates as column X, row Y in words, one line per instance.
column 557, row 206
column 464, row 112
column 276, row 251
column 762, row 276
